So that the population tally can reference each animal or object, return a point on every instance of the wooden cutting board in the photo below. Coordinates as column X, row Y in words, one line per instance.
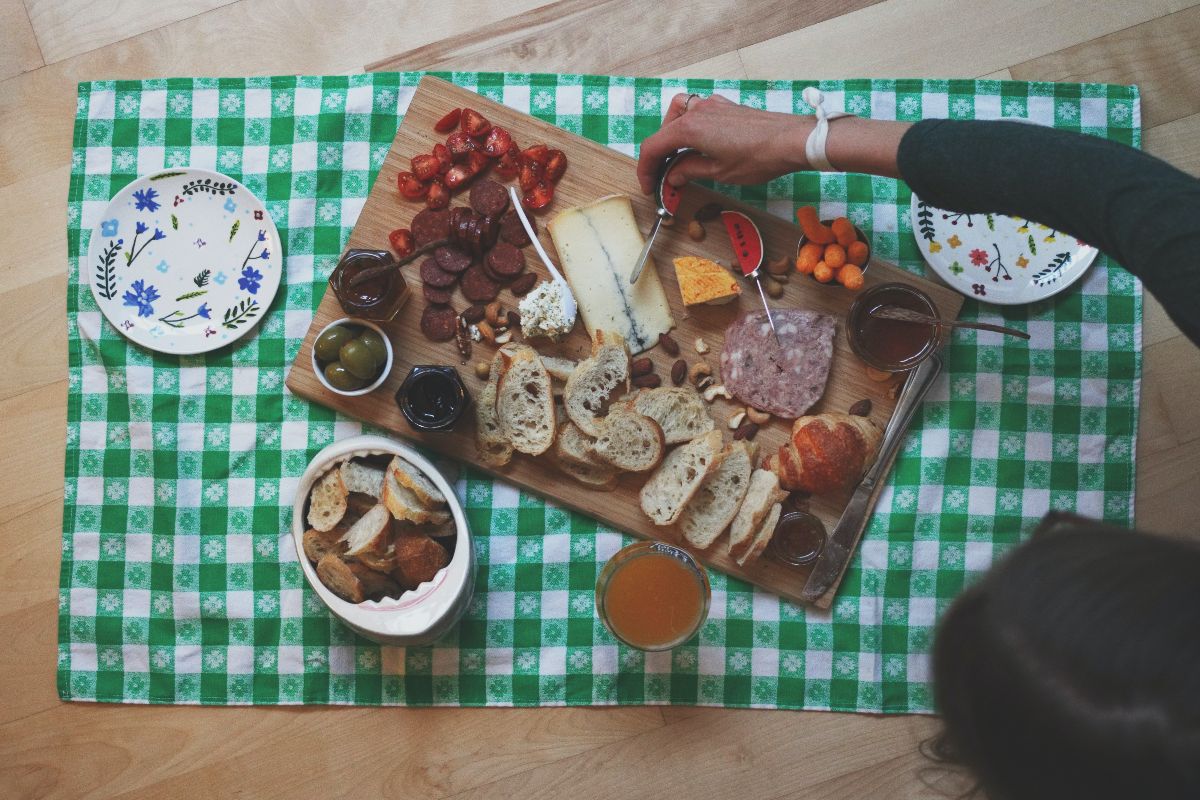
column 596, row 171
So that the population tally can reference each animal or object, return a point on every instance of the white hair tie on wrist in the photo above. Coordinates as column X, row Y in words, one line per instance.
column 814, row 147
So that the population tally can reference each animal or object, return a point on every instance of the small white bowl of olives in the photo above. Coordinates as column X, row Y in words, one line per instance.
column 352, row 356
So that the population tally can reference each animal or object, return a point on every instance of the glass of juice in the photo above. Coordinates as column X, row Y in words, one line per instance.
column 653, row 596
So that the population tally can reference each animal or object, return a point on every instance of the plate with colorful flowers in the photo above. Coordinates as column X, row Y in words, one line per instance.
column 996, row 258
column 184, row 261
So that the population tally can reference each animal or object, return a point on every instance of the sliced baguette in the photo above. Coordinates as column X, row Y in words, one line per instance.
column 590, row 385
column 599, row 477
column 679, row 411
column 576, row 447
column 370, row 533
column 359, row 477
column 524, row 401
column 763, row 537
column 678, row 478
column 404, row 502
column 376, row 585
column 763, row 493
column 492, row 445
column 412, row 478
column 559, row 368
column 717, row 501
column 418, row 559
column 630, row 441
column 340, row 579
column 327, row 501
column 317, row 544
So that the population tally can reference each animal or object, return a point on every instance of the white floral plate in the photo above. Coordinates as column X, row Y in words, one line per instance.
column 996, row 258
column 184, row 261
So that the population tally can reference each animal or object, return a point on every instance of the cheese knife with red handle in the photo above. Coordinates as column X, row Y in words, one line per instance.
column 748, row 249
column 668, row 198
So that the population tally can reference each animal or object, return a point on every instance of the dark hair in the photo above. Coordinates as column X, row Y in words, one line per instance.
column 1072, row 669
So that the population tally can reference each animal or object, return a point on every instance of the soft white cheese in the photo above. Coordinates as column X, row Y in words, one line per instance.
column 598, row 245
column 542, row 312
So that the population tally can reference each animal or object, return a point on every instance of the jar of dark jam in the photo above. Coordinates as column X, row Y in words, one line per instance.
column 887, row 344
column 378, row 299
column 432, row 398
column 799, row 538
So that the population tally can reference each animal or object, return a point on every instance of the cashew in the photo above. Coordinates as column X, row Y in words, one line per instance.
column 717, row 389
column 698, row 371
column 504, row 337
column 701, row 346
column 736, row 419
column 756, row 416
column 495, row 314
column 486, row 331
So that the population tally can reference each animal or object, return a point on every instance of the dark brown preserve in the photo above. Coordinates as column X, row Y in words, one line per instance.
column 799, row 538
column 432, row 398
column 889, row 344
column 378, row 299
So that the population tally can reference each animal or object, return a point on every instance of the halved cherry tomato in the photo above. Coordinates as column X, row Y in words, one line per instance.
column 424, row 166
column 531, row 173
column 556, row 165
column 448, row 122
column 401, row 240
column 458, row 176
column 442, row 154
column 410, row 186
column 509, row 164
column 535, row 154
column 478, row 162
column 460, row 145
column 497, row 142
column 475, row 124
column 439, row 195
column 539, row 197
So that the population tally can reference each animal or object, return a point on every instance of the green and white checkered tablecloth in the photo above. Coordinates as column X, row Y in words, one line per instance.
column 179, row 582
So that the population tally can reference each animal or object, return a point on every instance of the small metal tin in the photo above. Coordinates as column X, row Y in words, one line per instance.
column 432, row 397
column 799, row 539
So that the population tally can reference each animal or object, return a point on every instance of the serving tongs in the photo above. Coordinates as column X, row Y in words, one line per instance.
column 667, row 197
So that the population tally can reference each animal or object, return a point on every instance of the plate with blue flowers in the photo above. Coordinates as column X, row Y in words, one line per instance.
column 184, row 261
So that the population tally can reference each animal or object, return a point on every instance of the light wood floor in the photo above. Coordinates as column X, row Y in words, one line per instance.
column 48, row 748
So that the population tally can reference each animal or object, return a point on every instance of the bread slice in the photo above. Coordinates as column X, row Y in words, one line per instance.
column 317, row 544
column 575, row 446
column 369, row 534
column 680, row 475
column 559, row 368
column 630, row 441
column 359, row 477
column 717, row 501
column 418, row 559
column 679, row 411
column 600, row 477
column 763, row 493
column 412, row 478
column 403, row 502
column 376, row 585
column 524, row 402
column 588, row 389
column 340, row 579
column 492, row 445
column 327, row 501
column 763, row 537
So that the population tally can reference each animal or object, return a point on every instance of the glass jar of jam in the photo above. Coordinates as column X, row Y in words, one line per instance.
column 799, row 538
column 888, row 344
column 379, row 298
column 432, row 398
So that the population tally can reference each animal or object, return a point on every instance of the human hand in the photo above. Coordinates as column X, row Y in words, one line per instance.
column 738, row 144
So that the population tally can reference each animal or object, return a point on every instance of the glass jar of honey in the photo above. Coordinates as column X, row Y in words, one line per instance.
column 378, row 298
column 888, row 344
column 652, row 596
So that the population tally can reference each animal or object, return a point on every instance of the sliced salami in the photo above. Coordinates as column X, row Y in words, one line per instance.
column 784, row 378
column 430, row 225
column 489, row 198
column 490, row 228
column 435, row 295
column 439, row 322
column 524, row 284
column 512, row 231
column 433, row 275
column 478, row 287
column 505, row 261
column 451, row 259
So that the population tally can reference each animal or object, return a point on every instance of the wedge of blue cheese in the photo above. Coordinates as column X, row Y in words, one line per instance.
column 598, row 245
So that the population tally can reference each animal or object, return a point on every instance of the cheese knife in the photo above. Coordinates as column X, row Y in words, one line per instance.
column 840, row 546
column 668, row 203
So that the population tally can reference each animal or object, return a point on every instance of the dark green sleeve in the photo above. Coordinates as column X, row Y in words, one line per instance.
column 1139, row 210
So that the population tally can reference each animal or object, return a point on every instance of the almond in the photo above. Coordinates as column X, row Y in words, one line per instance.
column 641, row 366
column 669, row 344
column 650, row 381
column 861, row 409
column 679, row 372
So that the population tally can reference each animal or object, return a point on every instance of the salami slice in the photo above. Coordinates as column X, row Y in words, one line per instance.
column 786, row 377
column 524, row 284
column 478, row 287
column 490, row 228
column 462, row 228
column 512, row 231
column 430, row 225
column 451, row 259
column 505, row 261
column 489, row 198
column 433, row 275
column 439, row 322
column 435, row 295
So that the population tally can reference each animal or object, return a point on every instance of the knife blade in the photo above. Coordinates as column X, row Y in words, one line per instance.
column 841, row 543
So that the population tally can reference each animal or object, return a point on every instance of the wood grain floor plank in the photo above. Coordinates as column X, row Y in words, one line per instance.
column 725, row 65
column 1177, row 142
column 34, row 217
column 19, row 50
column 27, row 669
column 60, row 34
column 30, row 571
column 1166, row 493
column 33, row 323
column 923, row 38
column 34, row 422
column 582, row 33
column 1158, row 55
column 1175, row 363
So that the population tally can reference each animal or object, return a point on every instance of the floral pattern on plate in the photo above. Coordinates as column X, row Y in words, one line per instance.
column 996, row 258
column 184, row 261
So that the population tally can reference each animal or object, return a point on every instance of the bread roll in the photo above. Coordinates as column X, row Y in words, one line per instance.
column 826, row 453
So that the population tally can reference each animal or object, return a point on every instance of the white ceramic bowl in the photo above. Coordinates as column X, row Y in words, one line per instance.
column 421, row 615
column 387, row 365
